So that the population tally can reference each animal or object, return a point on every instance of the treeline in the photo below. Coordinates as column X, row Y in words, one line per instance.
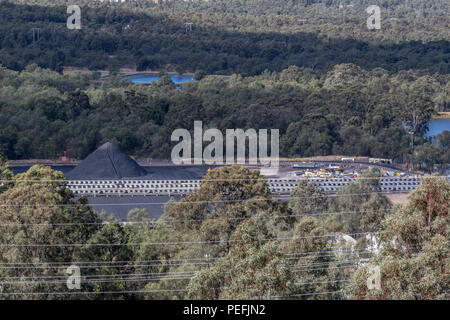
column 227, row 240
column 349, row 111
column 114, row 36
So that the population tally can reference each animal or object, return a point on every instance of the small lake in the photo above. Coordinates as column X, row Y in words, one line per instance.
column 152, row 77
column 437, row 126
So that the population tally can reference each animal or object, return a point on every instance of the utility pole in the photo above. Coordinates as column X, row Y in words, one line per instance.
column 36, row 34
column 394, row 24
column 341, row 13
column 412, row 139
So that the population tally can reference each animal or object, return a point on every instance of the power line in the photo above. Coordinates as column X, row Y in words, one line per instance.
column 93, row 281
column 105, row 275
column 112, row 262
column 180, row 220
column 160, row 275
column 142, row 276
column 321, row 282
column 87, row 266
column 195, row 202
column 100, row 292
column 108, row 266
column 310, row 294
column 144, row 291
column 169, row 243
column 293, row 267
column 293, row 256
column 144, row 279
column 316, row 264
column 316, row 269
column 210, row 261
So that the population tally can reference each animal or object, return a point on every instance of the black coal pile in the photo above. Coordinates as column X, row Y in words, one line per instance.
column 107, row 162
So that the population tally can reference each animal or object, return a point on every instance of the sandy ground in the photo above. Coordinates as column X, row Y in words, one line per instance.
column 442, row 115
column 398, row 198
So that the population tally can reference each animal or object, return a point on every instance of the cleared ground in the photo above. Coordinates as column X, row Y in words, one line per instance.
column 398, row 198
column 120, row 206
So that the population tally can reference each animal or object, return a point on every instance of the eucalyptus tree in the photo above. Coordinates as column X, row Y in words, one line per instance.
column 414, row 260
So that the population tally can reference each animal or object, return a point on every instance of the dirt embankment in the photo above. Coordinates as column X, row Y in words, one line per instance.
column 398, row 198
column 442, row 115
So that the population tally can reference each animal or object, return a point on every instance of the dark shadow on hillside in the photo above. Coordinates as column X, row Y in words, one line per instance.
column 115, row 37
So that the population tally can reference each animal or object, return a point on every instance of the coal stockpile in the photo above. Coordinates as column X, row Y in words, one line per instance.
column 176, row 172
column 107, row 162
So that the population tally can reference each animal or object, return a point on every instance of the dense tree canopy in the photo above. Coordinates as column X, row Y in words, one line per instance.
column 228, row 36
column 350, row 111
column 414, row 261
column 229, row 240
column 309, row 68
column 37, row 214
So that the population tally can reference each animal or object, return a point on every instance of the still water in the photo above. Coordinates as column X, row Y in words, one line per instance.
column 437, row 126
column 151, row 77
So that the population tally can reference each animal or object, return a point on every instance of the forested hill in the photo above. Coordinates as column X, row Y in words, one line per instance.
column 310, row 68
column 290, row 7
column 225, row 38
column 308, row 8
column 349, row 111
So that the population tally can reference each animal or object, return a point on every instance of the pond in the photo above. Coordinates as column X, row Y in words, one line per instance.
column 152, row 77
column 436, row 126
